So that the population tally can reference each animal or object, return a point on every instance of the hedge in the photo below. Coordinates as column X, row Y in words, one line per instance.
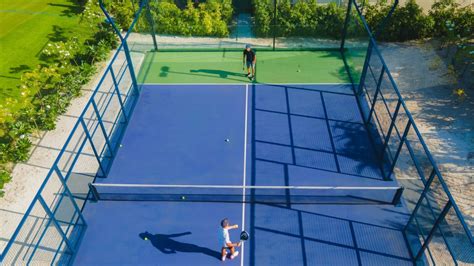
column 408, row 22
column 304, row 18
column 210, row 18
column 48, row 90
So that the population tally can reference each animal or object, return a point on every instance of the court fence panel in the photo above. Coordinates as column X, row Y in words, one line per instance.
column 52, row 227
column 436, row 232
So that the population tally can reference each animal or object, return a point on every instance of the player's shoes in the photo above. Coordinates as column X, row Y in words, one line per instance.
column 249, row 75
column 223, row 257
column 235, row 254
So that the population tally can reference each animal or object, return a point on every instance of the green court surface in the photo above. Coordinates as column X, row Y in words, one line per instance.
column 227, row 67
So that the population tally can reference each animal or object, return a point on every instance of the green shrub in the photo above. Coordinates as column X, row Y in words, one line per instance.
column 331, row 21
column 207, row 19
column 302, row 18
column 263, row 17
column 407, row 22
column 4, row 178
column 449, row 18
column 69, row 65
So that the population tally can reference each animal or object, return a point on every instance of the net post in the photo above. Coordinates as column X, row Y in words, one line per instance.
column 398, row 196
column 94, row 192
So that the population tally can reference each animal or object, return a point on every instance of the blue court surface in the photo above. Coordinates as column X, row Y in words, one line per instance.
column 278, row 135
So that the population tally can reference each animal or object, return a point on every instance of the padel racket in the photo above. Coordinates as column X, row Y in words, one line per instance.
column 244, row 236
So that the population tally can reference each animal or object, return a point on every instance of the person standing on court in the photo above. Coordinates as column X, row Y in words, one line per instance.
column 249, row 60
column 224, row 239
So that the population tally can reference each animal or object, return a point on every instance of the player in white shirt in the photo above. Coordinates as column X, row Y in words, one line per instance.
column 224, row 239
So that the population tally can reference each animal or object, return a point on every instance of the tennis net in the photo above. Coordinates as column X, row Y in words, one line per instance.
column 247, row 194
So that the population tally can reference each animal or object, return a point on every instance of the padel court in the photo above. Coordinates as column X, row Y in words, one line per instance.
column 238, row 139
column 317, row 159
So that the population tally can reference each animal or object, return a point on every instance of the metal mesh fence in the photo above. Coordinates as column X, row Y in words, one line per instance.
column 52, row 226
column 218, row 25
column 50, row 230
column 436, row 232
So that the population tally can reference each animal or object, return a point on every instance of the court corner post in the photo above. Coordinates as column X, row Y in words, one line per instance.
column 93, row 190
column 397, row 199
column 124, row 40
column 152, row 24
column 346, row 24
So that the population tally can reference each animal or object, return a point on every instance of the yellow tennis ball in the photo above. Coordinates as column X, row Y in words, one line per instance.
column 146, row 238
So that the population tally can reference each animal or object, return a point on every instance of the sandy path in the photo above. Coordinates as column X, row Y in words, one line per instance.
column 445, row 120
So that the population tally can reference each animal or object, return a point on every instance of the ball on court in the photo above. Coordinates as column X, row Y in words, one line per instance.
column 146, row 238
column 121, row 145
column 227, row 140
column 298, row 70
column 183, row 197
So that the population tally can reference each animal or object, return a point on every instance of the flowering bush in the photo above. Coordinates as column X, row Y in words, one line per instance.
column 48, row 89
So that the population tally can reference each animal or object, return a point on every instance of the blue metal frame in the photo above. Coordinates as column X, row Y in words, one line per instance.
column 81, row 127
column 410, row 126
column 89, row 135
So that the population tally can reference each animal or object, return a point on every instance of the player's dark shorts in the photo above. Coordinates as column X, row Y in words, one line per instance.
column 250, row 64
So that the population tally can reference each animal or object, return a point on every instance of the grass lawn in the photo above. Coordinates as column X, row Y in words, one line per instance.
column 27, row 26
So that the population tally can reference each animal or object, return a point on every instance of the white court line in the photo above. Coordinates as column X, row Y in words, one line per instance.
column 244, row 176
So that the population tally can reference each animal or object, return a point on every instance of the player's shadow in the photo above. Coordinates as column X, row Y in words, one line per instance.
column 167, row 245
column 221, row 73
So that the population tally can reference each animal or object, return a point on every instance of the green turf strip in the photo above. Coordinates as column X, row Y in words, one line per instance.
column 27, row 26
column 226, row 67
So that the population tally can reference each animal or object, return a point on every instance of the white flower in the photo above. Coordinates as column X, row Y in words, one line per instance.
column 48, row 106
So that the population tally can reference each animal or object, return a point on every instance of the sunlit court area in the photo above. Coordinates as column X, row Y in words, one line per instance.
column 251, row 141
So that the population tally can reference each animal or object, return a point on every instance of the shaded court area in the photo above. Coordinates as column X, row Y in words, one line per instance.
column 247, row 134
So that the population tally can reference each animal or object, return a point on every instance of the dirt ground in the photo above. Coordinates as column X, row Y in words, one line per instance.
column 445, row 119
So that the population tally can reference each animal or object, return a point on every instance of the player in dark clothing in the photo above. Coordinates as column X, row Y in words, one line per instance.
column 249, row 60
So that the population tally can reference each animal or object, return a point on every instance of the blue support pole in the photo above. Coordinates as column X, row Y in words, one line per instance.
column 69, row 193
column 346, row 24
column 364, row 70
column 118, row 93
column 433, row 229
column 104, row 131
column 86, row 131
column 124, row 40
column 374, row 101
